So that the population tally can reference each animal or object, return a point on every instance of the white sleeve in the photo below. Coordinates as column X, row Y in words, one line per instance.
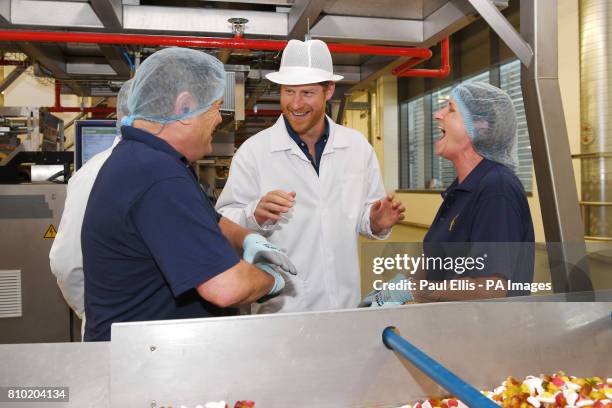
column 375, row 191
column 66, row 258
column 241, row 193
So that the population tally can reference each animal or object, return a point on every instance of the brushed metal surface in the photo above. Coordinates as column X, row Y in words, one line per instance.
column 45, row 314
column 337, row 359
column 408, row 9
column 561, row 214
column 83, row 367
column 595, row 108
column 212, row 21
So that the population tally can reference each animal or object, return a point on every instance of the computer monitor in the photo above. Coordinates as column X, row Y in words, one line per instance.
column 92, row 137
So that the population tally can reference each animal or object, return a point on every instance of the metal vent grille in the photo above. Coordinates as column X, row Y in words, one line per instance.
column 229, row 100
column 10, row 294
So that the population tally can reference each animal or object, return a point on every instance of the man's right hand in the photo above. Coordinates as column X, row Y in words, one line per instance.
column 389, row 297
column 273, row 205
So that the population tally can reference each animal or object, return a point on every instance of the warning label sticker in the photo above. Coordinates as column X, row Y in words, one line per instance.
column 50, row 233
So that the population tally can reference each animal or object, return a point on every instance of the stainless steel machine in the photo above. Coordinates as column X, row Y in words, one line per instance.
column 32, row 127
column 32, row 308
column 329, row 359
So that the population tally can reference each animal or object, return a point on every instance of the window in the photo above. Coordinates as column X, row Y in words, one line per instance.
column 420, row 168
column 443, row 172
column 510, row 81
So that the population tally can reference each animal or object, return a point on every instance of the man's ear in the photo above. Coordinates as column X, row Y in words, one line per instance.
column 329, row 90
column 184, row 103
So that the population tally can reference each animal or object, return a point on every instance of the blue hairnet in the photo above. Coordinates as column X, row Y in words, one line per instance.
column 122, row 100
column 168, row 73
column 490, row 119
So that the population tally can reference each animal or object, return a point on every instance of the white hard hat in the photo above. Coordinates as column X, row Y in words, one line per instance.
column 305, row 62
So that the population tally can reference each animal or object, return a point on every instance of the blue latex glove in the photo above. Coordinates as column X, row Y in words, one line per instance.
column 279, row 282
column 385, row 298
column 257, row 249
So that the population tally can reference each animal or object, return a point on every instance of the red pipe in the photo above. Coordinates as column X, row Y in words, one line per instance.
column 59, row 108
column 58, row 91
column 406, row 65
column 405, row 71
column 204, row 42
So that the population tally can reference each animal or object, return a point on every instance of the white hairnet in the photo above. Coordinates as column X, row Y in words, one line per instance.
column 122, row 100
column 168, row 73
column 490, row 120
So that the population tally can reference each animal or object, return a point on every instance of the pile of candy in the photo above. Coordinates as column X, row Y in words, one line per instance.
column 220, row 404
column 554, row 391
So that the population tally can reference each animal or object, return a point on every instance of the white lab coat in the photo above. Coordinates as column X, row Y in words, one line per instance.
column 321, row 231
column 66, row 258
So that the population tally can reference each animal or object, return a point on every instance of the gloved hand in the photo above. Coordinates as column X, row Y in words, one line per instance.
column 257, row 249
column 279, row 281
column 387, row 297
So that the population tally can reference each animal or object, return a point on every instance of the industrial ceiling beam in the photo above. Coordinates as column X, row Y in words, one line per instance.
column 115, row 59
column 14, row 74
column 202, row 20
column 49, row 56
column 54, row 14
column 343, row 28
column 504, row 30
column 75, row 88
column 110, row 12
column 5, row 12
column 446, row 20
column 269, row 2
column 303, row 14
column 441, row 23
column 224, row 55
column 89, row 69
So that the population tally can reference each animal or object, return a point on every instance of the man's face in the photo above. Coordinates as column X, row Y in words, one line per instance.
column 304, row 105
column 204, row 126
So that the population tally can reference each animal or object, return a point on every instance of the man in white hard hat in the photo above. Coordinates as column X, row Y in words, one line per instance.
column 311, row 186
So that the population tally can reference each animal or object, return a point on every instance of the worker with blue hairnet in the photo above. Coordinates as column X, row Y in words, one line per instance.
column 66, row 258
column 154, row 248
column 485, row 216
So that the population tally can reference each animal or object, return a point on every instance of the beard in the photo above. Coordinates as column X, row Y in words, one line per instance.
column 305, row 124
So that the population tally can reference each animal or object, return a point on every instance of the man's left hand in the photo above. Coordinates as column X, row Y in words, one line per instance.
column 386, row 213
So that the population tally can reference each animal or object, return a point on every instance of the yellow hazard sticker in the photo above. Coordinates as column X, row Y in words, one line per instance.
column 51, row 232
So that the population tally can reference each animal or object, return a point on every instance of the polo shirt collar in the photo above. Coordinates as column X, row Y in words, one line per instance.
column 296, row 138
column 142, row 136
column 472, row 180
column 281, row 140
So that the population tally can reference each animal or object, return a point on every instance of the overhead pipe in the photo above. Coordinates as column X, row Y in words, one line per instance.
column 405, row 70
column 65, row 109
column 236, row 42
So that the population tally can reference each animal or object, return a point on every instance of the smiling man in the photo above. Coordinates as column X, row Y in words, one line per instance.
column 310, row 185
column 154, row 248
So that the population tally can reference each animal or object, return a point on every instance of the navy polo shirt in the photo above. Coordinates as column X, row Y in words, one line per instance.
column 488, row 214
column 319, row 145
column 149, row 238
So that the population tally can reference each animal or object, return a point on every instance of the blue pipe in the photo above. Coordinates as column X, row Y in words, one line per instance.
column 434, row 370
column 128, row 59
